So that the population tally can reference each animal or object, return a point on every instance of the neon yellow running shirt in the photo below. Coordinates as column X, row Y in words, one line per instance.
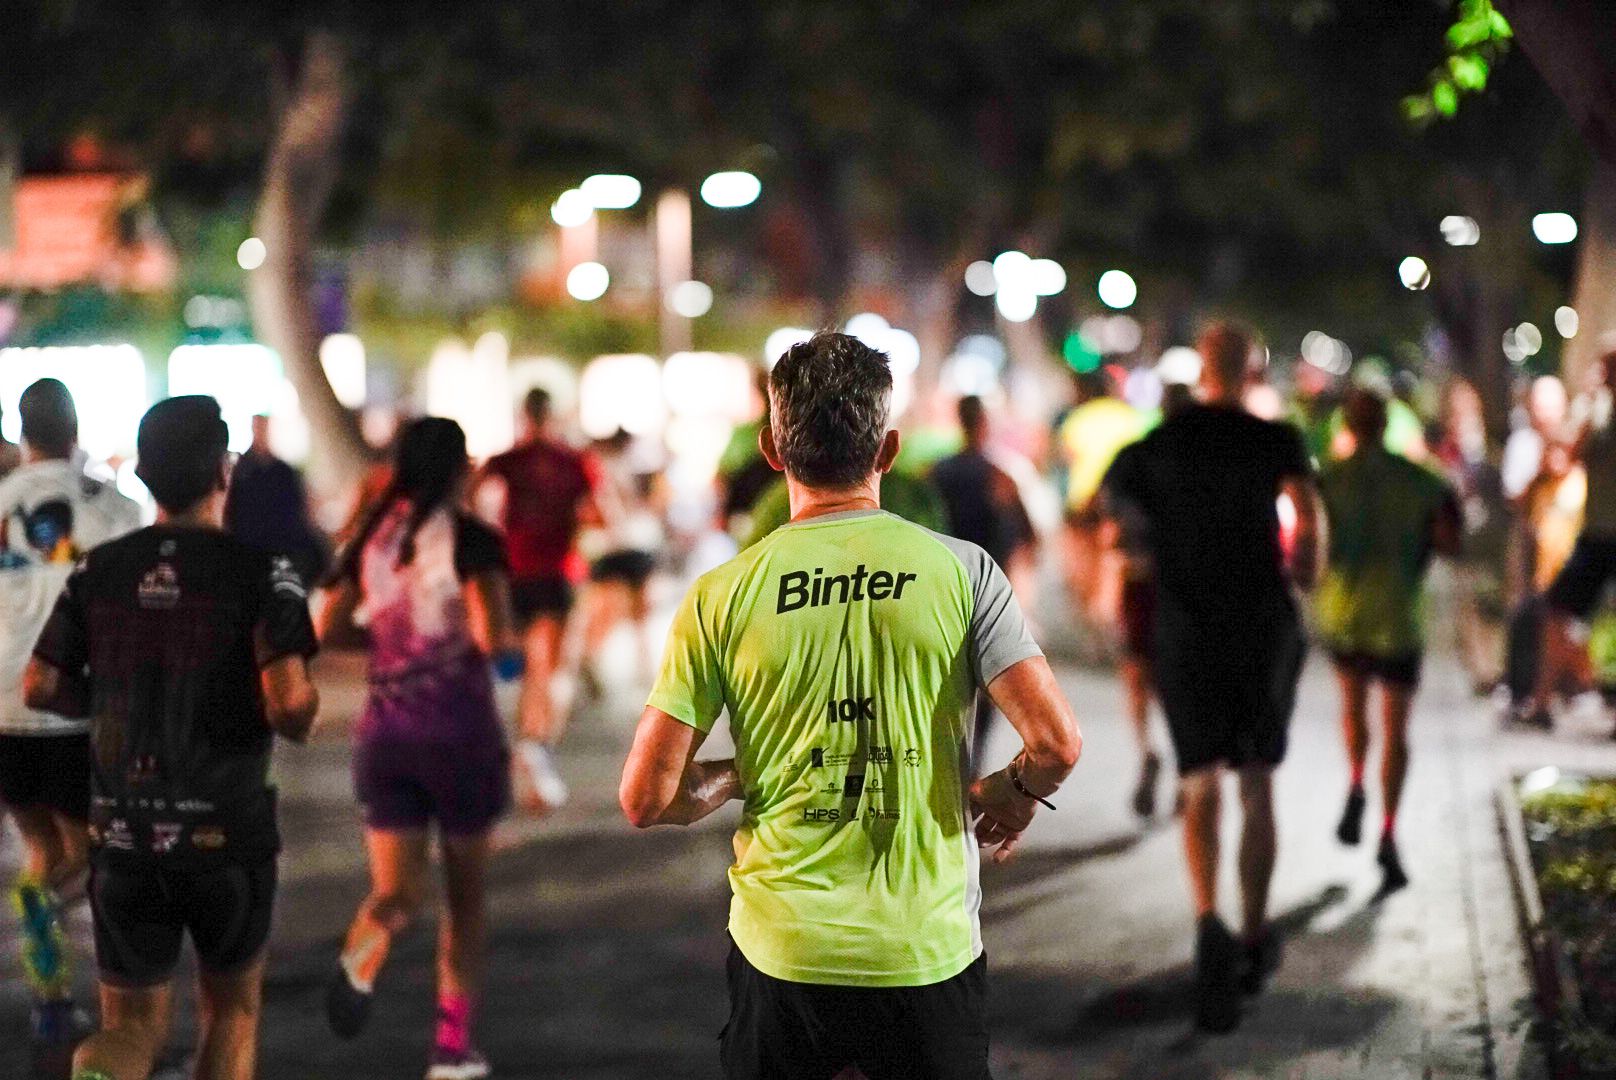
column 847, row 650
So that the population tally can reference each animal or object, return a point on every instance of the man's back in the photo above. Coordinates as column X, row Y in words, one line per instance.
column 173, row 625
column 1207, row 482
column 1381, row 509
column 847, row 649
column 544, row 483
column 982, row 502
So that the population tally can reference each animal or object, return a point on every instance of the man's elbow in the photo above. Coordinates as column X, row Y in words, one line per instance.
column 641, row 800
column 638, row 806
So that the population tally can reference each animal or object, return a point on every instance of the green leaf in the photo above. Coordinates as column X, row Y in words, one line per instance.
column 1499, row 25
column 1445, row 97
column 1467, row 33
column 1417, row 108
column 1469, row 71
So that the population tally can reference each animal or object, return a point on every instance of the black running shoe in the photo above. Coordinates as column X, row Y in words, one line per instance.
column 1350, row 831
column 1391, row 867
column 1262, row 959
column 1217, row 971
column 346, row 1006
column 1144, row 795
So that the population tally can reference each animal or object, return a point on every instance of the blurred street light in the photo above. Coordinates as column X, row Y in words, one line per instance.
column 572, row 208
column 1555, row 228
column 1016, row 304
column 251, row 254
column 1413, row 273
column 611, row 191
column 727, row 190
column 588, row 281
column 1047, row 276
column 1460, row 231
column 1117, row 289
column 1566, row 321
column 979, row 278
column 690, row 299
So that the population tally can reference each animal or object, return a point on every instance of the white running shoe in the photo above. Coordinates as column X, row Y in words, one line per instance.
column 543, row 774
column 467, row 1066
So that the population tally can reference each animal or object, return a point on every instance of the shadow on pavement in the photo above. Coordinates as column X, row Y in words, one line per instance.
column 1148, row 1019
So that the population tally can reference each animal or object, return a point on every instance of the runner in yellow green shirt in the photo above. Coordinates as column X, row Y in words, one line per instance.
column 847, row 650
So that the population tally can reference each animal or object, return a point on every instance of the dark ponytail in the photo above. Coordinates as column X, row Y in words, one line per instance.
column 430, row 463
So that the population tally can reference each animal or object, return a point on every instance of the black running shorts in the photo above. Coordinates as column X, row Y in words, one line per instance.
column 541, row 598
column 50, row 771
column 142, row 914
column 1402, row 670
column 1578, row 587
column 782, row 1030
column 1228, row 687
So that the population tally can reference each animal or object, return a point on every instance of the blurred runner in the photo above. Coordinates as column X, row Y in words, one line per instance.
column 187, row 650
column 985, row 508
column 1580, row 585
column 268, row 508
column 429, row 748
column 1127, row 534
column 1462, row 450
column 10, row 455
column 548, row 489
column 1090, row 436
column 619, row 578
column 1386, row 517
column 848, row 648
column 50, row 515
column 743, row 474
column 1229, row 643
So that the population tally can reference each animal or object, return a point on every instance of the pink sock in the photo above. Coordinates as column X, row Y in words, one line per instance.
column 1357, row 777
column 454, row 1023
column 1389, row 827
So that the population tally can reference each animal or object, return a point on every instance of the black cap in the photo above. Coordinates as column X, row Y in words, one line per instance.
column 180, row 444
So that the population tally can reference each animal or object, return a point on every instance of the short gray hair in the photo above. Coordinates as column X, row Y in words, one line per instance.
column 830, row 399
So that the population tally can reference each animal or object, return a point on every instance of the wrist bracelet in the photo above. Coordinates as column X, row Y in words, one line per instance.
column 1015, row 782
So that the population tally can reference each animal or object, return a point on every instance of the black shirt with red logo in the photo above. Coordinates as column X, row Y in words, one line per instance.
column 171, row 627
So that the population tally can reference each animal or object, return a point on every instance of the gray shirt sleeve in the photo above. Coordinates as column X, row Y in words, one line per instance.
column 998, row 637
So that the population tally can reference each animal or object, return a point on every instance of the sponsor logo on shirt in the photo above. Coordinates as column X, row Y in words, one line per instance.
column 800, row 589
column 160, row 588
column 911, row 757
column 165, row 837
column 117, row 836
column 208, row 837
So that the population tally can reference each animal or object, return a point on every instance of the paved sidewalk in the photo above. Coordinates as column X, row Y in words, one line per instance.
column 608, row 945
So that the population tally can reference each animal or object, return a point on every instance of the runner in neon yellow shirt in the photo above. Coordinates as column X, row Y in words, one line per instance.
column 847, row 649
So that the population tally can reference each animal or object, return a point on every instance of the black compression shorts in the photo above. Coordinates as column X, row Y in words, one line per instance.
column 143, row 912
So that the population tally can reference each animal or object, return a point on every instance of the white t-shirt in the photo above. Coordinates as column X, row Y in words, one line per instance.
column 50, row 515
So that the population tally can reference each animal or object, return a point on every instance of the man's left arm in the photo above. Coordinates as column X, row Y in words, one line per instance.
column 663, row 783
column 1447, row 526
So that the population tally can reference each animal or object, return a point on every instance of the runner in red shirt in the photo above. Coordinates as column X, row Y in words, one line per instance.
column 548, row 489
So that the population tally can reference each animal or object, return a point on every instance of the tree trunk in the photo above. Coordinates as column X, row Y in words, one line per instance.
column 1595, row 296
column 298, row 179
column 1572, row 43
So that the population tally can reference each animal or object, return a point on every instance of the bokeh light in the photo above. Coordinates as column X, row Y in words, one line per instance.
column 588, row 281
column 251, row 254
column 1117, row 289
